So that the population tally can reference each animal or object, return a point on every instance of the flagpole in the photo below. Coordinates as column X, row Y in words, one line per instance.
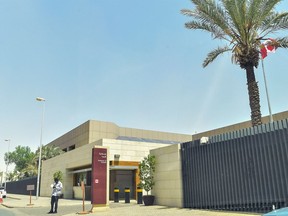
column 267, row 95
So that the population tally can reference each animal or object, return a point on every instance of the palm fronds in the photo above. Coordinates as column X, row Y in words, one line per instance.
column 282, row 42
column 241, row 23
column 214, row 54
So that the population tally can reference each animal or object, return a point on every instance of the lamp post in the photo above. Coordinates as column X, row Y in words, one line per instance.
column 40, row 149
column 7, row 140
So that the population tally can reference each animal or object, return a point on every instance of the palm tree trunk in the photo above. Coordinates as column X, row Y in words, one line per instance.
column 254, row 99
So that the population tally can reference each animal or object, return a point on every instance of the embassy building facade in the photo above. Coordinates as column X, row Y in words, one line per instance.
column 126, row 148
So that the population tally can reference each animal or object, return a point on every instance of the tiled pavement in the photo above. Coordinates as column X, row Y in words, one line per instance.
column 119, row 209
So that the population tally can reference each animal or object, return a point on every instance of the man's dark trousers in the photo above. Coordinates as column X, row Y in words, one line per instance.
column 54, row 203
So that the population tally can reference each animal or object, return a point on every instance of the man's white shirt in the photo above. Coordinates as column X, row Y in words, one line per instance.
column 57, row 187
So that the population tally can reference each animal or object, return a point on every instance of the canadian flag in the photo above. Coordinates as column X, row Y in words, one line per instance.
column 267, row 47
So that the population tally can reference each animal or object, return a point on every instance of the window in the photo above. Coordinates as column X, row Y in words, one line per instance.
column 85, row 176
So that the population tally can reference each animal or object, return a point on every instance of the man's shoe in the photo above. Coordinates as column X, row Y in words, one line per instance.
column 55, row 212
column 50, row 212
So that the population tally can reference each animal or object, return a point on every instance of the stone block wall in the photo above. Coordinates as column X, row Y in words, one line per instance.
column 168, row 176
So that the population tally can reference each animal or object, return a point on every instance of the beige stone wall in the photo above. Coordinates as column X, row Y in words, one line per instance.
column 78, row 136
column 82, row 158
column 99, row 130
column 92, row 131
column 168, row 176
column 87, row 132
column 66, row 162
column 129, row 150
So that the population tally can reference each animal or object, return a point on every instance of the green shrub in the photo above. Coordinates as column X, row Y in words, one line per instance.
column 146, row 173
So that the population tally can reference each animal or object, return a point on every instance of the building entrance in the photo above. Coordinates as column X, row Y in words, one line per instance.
column 122, row 179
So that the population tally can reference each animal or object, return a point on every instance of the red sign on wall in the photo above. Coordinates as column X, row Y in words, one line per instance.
column 99, row 176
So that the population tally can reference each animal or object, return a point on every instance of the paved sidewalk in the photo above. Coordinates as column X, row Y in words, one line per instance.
column 23, row 201
column 119, row 209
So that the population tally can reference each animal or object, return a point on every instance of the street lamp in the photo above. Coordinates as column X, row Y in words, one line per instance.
column 40, row 149
column 7, row 163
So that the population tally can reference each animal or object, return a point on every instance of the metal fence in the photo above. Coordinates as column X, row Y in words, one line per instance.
column 20, row 186
column 245, row 170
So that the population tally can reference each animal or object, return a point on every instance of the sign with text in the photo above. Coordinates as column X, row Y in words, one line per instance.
column 99, row 176
column 30, row 187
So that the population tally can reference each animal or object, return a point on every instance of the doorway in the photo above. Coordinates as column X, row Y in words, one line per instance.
column 122, row 179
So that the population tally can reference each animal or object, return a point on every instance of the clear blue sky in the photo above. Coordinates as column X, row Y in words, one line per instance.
column 130, row 62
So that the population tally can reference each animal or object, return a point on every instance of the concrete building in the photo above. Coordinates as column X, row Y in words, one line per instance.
column 127, row 147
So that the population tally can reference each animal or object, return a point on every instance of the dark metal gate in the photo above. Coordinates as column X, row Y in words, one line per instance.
column 245, row 170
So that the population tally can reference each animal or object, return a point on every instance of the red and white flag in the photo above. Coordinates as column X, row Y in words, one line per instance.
column 267, row 47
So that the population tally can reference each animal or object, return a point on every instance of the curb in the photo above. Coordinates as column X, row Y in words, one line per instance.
column 6, row 205
column 16, row 198
column 27, row 206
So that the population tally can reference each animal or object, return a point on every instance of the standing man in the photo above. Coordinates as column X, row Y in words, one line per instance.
column 56, row 192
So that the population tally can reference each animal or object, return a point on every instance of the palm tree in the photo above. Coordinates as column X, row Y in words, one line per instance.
column 30, row 170
column 243, row 25
column 48, row 151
